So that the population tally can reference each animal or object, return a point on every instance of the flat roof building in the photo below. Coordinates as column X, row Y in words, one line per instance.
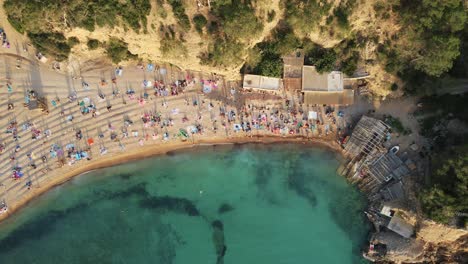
column 324, row 82
column 324, row 88
column 400, row 226
column 262, row 83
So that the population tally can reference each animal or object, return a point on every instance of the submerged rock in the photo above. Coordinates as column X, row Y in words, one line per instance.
column 224, row 208
column 174, row 204
column 218, row 240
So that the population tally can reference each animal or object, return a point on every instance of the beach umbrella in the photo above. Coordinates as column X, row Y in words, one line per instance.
column 183, row 132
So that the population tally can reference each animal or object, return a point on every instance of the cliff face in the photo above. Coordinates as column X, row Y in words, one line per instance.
column 443, row 244
column 432, row 243
column 164, row 37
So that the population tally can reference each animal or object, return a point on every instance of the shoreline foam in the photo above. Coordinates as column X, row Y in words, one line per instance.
column 151, row 151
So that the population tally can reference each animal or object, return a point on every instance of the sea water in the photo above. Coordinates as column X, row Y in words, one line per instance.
column 256, row 204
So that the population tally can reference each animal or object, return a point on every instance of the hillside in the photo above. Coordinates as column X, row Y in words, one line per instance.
column 385, row 38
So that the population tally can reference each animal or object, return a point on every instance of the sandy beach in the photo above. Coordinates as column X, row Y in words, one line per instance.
column 97, row 119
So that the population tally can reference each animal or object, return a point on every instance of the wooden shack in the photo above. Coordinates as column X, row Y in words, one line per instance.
column 386, row 167
column 368, row 134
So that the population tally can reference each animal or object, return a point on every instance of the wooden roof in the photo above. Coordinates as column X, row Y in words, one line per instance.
column 388, row 166
column 367, row 135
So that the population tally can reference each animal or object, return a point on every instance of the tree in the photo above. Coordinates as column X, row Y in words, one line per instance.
column 239, row 21
column 303, row 16
column 200, row 22
column 429, row 39
column 270, row 65
column 93, row 44
column 438, row 55
column 224, row 53
column 323, row 59
column 117, row 50
column 448, row 194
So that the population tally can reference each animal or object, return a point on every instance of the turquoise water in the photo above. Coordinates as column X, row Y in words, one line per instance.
column 224, row 204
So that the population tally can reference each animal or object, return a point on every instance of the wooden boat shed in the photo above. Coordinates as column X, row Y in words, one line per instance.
column 368, row 134
column 386, row 167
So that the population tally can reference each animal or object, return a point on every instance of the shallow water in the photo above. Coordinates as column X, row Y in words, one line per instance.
column 231, row 204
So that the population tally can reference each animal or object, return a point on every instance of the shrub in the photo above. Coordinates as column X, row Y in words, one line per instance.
column 323, row 59
column 270, row 65
column 271, row 16
column 179, row 12
column 394, row 87
column 446, row 194
column 303, row 16
column 224, row 53
column 239, row 21
column 173, row 47
column 93, row 44
column 37, row 16
column 396, row 125
column 200, row 22
column 349, row 65
column 72, row 41
column 53, row 44
column 117, row 50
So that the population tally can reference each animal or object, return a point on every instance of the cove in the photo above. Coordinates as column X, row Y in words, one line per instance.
column 273, row 203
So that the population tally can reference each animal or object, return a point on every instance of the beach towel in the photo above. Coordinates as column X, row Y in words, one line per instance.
column 150, row 67
column 206, row 89
column 118, row 72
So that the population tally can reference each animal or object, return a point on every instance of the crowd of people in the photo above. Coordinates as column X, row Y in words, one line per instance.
column 159, row 111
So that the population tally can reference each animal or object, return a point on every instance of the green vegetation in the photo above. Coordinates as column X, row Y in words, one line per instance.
column 179, row 12
column 267, row 56
column 40, row 18
column 200, row 22
column 72, row 41
column 93, row 44
column 35, row 16
column 117, row 50
column 428, row 41
column 224, row 53
column 304, row 16
column 323, row 59
column 238, row 21
column 271, row 16
column 396, row 125
column 160, row 10
column 445, row 197
column 342, row 13
column 54, row 44
column 428, row 37
column 173, row 47
column 236, row 24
